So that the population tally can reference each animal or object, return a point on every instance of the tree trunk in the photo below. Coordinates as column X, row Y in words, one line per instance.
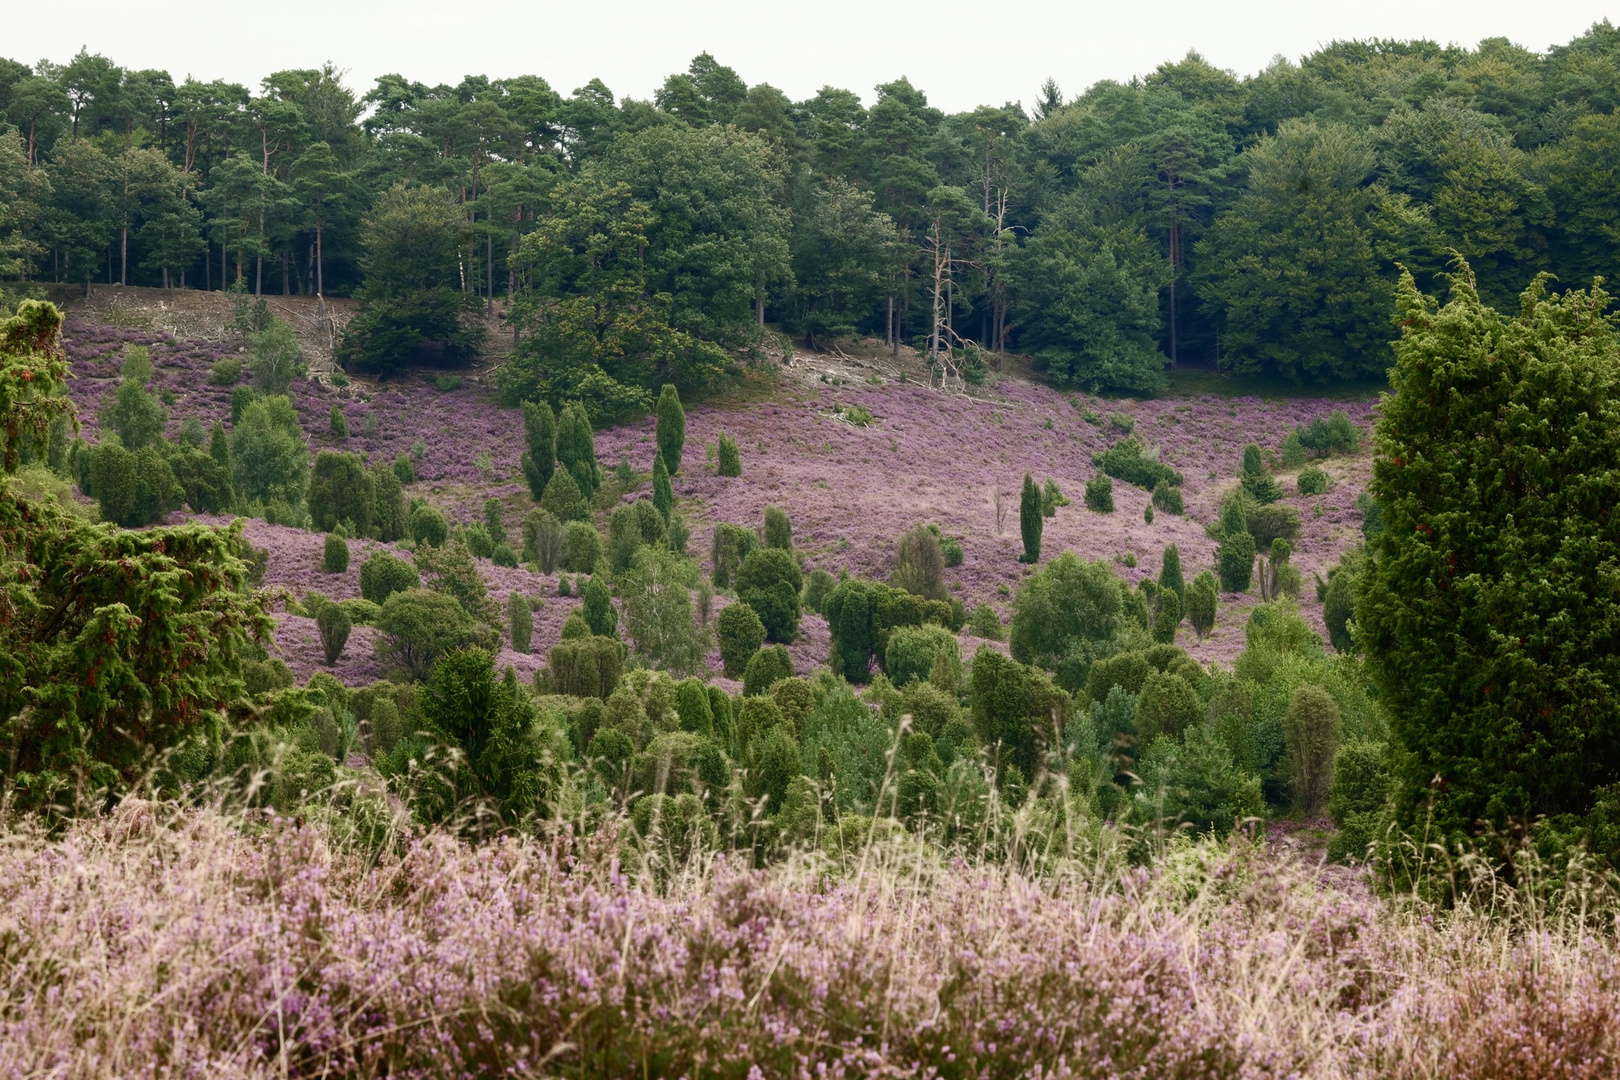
column 320, row 280
column 123, row 255
column 286, row 280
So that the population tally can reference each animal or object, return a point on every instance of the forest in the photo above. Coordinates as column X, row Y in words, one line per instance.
column 1189, row 215
column 496, row 581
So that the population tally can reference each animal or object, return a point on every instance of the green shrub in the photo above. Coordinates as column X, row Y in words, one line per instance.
column 817, row 587
column 919, row 564
column 1256, row 479
column 417, row 626
column 1234, row 561
column 576, row 451
column 663, row 498
column 476, row 538
column 1051, row 498
column 913, row 651
column 732, row 544
column 1127, row 460
column 600, row 614
column 1166, row 616
column 206, row 483
column 670, row 428
column 241, row 398
column 1312, row 730
column 796, row 698
column 1100, row 494
column 1167, row 497
column 539, row 459
column 1170, row 572
column 1017, row 707
column 226, row 371
column 274, row 357
column 985, row 623
column 563, row 498
column 382, row 575
column 341, row 493
column 338, row 424
column 1312, row 481
column 361, row 612
column 583, row 545
column 586, row 666
column 1339, row 600
column 778, row 529
column 503, row 555
column 269, row 453
column 428, row 526
column 1360, row 792
column 693, row 708
column 545, row 540
column 403, row 470
column 134, row 489
column 730, row 462
column 1197, row 784
column 765, row 669
column 520, row 621
column 1166, row 705
column 769, row 581
column 741, row 634
column 1202, row 599
column 335, row 559
column 333, row 623
column 1031, row 523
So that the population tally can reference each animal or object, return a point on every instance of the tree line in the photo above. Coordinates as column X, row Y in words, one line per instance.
column 1188, row 215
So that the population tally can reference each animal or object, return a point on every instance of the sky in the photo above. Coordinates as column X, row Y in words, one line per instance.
column 960, row 54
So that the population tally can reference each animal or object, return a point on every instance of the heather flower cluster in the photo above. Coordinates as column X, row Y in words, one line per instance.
column 160, row 942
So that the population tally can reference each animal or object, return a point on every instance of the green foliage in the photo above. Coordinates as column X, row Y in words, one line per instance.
column 693, row 708
column 576, row 451
column 205, row 481
column 919, row 564
column 449, row 569
column 769, row 581
column 563, row 498
column 138, row 417
column 1031, row 522
column 600, row 614
column 545, row 540
column 1087, row 297
column 1312, row 481
column 1167, row 497
column 275, row 358
column 227, row 371
column 335, row 558
column 418, row 626
column 333, row 623
column 1256, row 479
column 1202, row 600
column 1234, row 558
column 732, row 544
column 1170, row 572
column 1360, row 793
column 1017, row 710
column 428, row 526
column 1339, row 599
column 583, row 547
column 340, row 493
column 818, row 585
column 663, row 498
column 913, row 651
column 338, row 425
column 586, row 666
column 520, row 622
column 1197, row 784
column 765, row 669
column 540, row 454
column 1484, row 604
column 1071, row 613
column 846, row 746
column 1166, row 616
column 729, row 460
column 656, row 594
column 741, row 634
column 670, row 430
column 1312, row 731
column 269, row 454
column 1166, row 705
column 985, row 623
column 411, row 307
column 1052, row 498
column 778, row 531
column 134, row 489
column 1127, row 460
column 1100, row 494
column 382, row 575
column 1319, row 308
column 1336, row 434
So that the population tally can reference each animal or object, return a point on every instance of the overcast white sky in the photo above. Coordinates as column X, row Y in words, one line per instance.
column 961, row 54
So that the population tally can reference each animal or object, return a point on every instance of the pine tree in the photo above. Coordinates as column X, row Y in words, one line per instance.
column 671, row 428
column 663, row 494
column 540, row 433
column 1030, row 520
